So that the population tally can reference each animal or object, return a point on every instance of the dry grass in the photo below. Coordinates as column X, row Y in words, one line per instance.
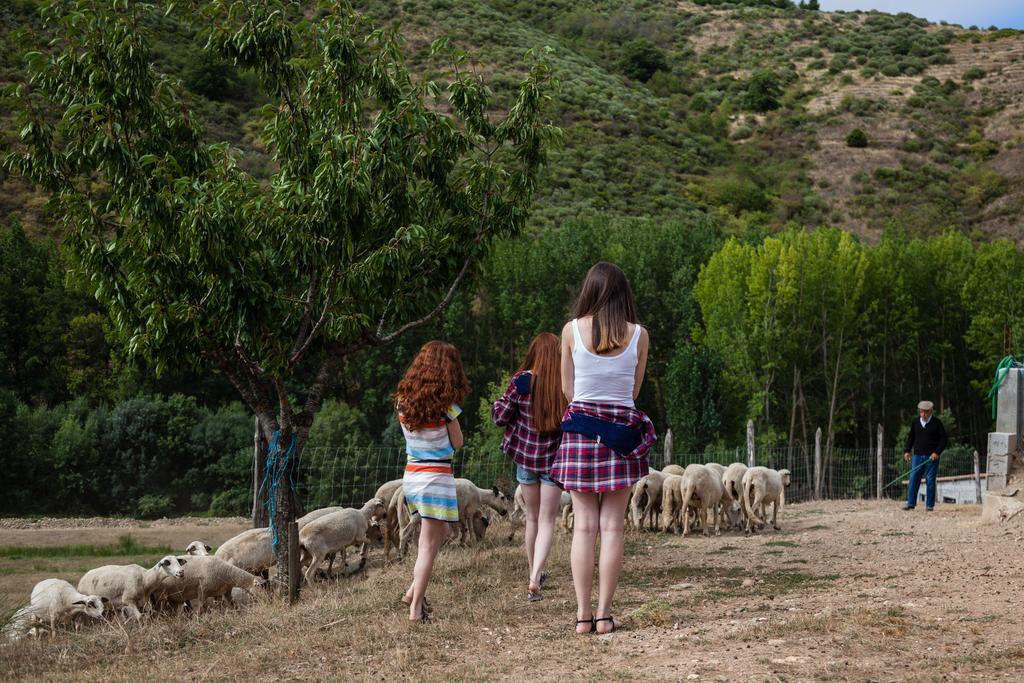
column 834, row 596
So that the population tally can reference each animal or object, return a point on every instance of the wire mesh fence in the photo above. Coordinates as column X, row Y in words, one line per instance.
column 350, row 476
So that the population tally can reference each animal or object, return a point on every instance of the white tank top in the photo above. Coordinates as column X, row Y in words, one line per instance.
column 604, row 379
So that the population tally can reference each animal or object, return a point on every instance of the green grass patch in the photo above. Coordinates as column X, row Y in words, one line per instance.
column 784, row 544
column 126, row 545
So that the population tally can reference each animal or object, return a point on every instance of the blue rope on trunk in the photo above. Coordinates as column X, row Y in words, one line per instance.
column 278, row 462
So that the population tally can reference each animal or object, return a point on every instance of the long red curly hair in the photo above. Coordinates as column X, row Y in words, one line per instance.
column 435, row 380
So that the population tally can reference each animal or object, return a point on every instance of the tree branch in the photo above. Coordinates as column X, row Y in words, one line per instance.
column 441, row 305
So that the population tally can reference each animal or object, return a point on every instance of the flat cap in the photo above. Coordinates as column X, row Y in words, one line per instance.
column 925, row 405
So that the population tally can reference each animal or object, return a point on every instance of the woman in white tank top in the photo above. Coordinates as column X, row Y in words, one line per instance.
column 604, row 355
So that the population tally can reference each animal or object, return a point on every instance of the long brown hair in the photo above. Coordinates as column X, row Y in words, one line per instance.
column 435, row 380
column 544, row 360
column 607, row 297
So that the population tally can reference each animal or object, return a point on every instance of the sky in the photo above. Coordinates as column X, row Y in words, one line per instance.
column 982, row 13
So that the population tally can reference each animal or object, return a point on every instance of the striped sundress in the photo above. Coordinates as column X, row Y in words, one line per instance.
column 429, row 481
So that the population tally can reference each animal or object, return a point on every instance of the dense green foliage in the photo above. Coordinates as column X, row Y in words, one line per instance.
column 796, row 331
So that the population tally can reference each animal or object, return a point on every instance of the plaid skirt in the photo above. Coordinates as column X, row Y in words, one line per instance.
column 582, row 464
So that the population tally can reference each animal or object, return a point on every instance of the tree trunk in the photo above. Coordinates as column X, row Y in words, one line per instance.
column 259, row 489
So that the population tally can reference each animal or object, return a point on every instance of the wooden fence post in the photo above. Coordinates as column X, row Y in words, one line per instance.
column 294, row 575
column 751, row 455
column 880, row 473
column 667, row 457
column 817, row 464
column 977, row 478
column 259, row 463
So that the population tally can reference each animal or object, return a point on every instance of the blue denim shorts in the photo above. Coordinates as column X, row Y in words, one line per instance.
column 527, row 477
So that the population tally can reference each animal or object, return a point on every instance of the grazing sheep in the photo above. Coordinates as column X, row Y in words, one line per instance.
column 702, row 489
column 334, row 532
column 733, row 481
column 198, row 548
column 517, row 516
column 251, row 550
column 671, row 502
column 386, row 492
column 129, row 586
column 53, row 603
column 672, row 469
column 647, row 495
column 761, row 486
column 471, row 497
column 317, row 514
column 207, row 576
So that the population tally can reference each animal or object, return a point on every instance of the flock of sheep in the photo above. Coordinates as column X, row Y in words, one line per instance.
column 670, row 499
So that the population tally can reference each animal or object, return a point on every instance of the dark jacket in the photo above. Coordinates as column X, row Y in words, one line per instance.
column 926, row 440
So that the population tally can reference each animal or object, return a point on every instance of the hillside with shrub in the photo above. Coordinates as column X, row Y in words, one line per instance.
column 744, row 109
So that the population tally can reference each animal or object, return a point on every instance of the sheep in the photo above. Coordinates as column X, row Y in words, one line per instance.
column 761, row 486
column 251, row 550
column 672, row 469
column 733, row 481
column 726, row 503
column 517, row 516
column 647, row 493
column 470, row 497
column 207, row 576
column 129, row 586
column 701, row 489
column 671, row 501
column 336, row 531
column 386, row 492
column 53, row 603
column 198, row 548
column 317, row 514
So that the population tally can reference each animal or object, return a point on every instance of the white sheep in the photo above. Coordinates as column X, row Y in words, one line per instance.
column 129, row 586
column 471, row 497
column 761, row 486
column 207, row 576
column 53, row 603
column 671, row 502
column 517, row 515
column 336, row 531
column 733, row 481
column 386, row 492
column 251, row 550
column 702, row 490
column 198, row 548
column 672, row 469
column 317, row 514
column 646, row 500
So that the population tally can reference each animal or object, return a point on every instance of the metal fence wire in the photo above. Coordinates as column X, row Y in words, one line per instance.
column 349, row 476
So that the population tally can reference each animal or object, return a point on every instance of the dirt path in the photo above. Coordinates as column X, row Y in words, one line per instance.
column 846, row 591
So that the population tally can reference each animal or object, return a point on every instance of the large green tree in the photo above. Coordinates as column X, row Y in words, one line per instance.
column 385, row 194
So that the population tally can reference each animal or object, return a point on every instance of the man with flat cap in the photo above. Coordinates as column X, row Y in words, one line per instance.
column 926, row 441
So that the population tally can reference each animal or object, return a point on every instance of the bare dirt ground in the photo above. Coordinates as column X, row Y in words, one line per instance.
column 848, row 590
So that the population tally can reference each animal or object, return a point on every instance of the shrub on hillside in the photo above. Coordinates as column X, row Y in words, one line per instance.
column 641, row 59
column 857, row 138
column 763, row 91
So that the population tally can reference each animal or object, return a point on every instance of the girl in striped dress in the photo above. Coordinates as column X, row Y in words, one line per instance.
column 531, row 412
column 605, row 439
column 428, row 400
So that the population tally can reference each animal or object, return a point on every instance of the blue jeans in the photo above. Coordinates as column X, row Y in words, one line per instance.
column 524, row 476
column 930, row 471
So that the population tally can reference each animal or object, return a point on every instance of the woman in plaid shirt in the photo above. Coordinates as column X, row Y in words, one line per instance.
column 531, row 412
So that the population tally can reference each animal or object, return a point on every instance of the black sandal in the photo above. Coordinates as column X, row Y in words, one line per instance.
column 593, row 626
column 608, row 618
